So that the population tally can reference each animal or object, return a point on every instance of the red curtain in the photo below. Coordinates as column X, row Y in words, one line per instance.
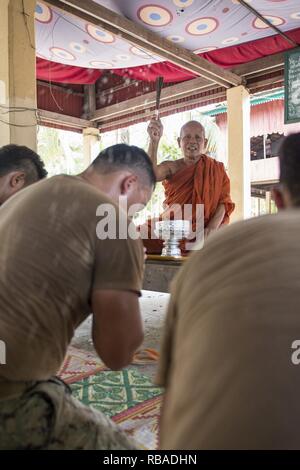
column 54, row 72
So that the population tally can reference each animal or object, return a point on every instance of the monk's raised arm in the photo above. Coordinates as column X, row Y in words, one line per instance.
column 155, row 132
column 167, row 168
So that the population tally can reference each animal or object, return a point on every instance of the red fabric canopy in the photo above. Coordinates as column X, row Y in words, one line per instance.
column 226, row 58
column 54, row 72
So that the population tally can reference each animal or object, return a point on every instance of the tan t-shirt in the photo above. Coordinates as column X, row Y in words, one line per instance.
column 226, row 358
column 50, row 261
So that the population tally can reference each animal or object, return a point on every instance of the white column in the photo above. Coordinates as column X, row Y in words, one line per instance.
column 238, row 130
column 91, row 139
column 17, row 73
column 268, row 202
column 4, row 73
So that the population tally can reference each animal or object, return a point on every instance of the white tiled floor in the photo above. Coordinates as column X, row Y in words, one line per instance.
column 153, row 308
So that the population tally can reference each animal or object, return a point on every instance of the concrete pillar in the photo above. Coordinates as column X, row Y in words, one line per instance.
column 4, row 73
column 17, row 73
column 238, row 130
column 91, row 139
column 268, row 202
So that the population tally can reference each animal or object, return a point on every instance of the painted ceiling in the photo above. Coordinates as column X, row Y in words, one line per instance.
column 197, row 25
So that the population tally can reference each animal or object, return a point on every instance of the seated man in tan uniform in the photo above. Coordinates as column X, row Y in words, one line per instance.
column 55, row 270
column 194, row 179
column 227, row 359
column 19, row 167
column 287, row 194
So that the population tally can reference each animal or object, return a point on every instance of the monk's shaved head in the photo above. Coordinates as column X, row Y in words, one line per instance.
column 192, row 141
column 192, row 124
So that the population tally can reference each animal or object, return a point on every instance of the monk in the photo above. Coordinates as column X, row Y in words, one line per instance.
column 193, row 179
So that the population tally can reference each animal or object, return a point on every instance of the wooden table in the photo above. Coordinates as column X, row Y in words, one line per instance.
column 159, row 272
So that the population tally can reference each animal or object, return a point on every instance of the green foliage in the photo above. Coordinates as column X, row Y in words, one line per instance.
column 168, row 150
column 62, row 151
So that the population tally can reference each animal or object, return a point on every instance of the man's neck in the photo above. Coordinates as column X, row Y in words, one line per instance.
column 101, row 182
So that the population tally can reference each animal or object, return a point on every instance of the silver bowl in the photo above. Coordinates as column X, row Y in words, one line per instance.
column 172, row 231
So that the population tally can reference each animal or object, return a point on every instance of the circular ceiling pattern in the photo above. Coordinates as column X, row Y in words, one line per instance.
column 154, row 15
column 76, row 47
column 205, row 49
column 140, row 52
column 230, row 40
column 202, row 26
column 143, row 53
column 99, row 34
column 42, row 13
column 99, row 64
column 123, row 57
column 295, row 16
column 64, row 39
column 183, row 3
column 176, row 39
column 275, row 20
column 62, row 53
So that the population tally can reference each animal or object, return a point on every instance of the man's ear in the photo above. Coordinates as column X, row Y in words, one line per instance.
column 179, row 142
column 278, row 198
column 128, row 183
column 17, row 180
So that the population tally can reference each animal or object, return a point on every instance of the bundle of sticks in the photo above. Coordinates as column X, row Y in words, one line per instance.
column 159, row 85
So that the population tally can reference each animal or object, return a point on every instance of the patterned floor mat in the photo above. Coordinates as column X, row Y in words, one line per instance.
column 142, row 422
column 128, row 396
column 115, row 391
column 79, row 364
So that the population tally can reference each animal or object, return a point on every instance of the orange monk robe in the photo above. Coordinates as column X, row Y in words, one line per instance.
column 205, row 182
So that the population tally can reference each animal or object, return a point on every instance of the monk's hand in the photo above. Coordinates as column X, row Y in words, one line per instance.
column 155, row 129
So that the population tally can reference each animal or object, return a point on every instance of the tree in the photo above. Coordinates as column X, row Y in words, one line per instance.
column 62, row 151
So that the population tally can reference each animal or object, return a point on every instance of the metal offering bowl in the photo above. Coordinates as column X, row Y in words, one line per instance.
column 172, row 231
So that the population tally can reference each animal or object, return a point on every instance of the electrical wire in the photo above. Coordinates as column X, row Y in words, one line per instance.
column 17, row 125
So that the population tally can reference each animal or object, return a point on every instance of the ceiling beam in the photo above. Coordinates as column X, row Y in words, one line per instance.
column 147, row 113
column 147, row 100
column 268, row 23
column 142, row 37
column 264, row 64
column 265, row 82
column 105, row 123
column 49, row 117
column 184, row 89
